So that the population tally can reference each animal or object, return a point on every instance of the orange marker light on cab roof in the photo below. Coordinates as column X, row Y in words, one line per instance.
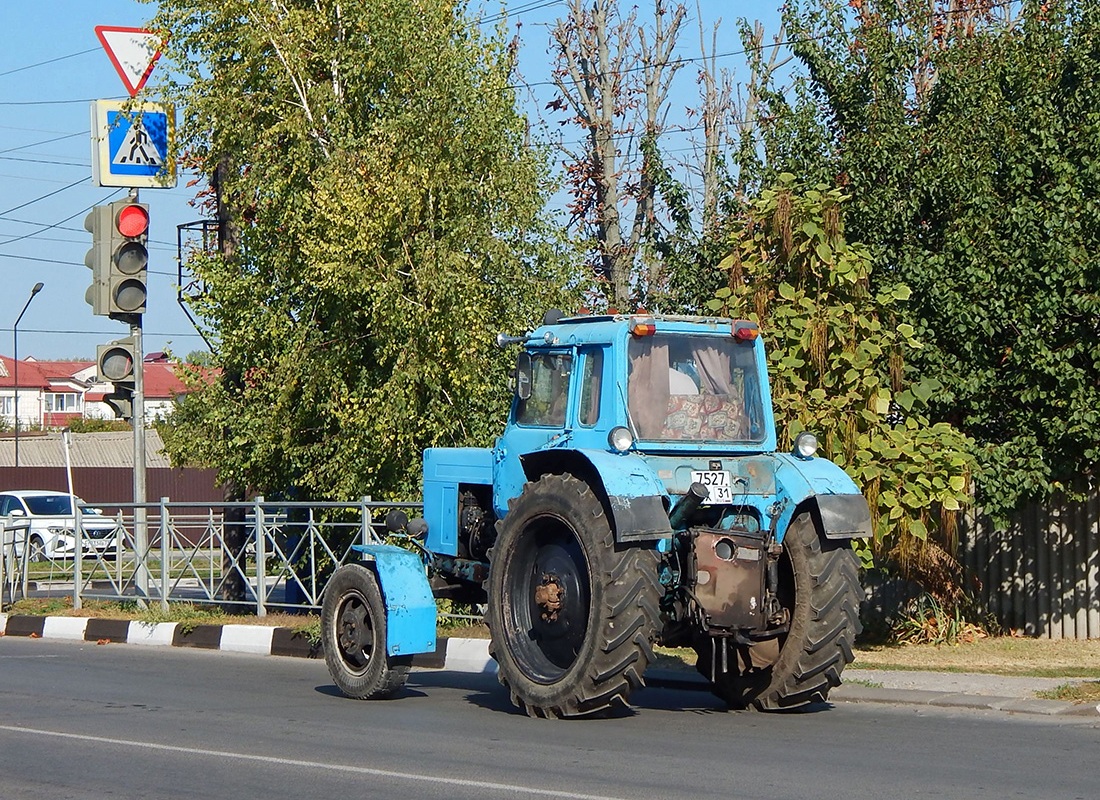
column 642, row 326
column 744, row 331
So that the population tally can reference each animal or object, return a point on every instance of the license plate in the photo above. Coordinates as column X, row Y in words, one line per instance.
column 718, row 483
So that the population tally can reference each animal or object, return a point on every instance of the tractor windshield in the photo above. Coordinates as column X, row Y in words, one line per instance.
column 694, row 389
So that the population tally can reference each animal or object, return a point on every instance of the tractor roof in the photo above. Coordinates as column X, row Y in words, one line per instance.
column 596, row 328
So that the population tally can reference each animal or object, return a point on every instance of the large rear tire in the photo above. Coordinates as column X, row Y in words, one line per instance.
column 571, row 613
column 353, row 630
column 819, row 585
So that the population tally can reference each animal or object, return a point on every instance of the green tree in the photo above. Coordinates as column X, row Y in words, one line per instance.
column 966, row 133
column 836, row 355
column 387, row 219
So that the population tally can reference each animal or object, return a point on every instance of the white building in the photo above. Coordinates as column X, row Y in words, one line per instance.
column 54, row 393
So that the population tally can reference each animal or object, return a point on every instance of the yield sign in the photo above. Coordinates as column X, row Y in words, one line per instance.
column 133, row 51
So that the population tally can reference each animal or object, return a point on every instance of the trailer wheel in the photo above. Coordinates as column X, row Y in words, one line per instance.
column 571, row 613
column 353, row 629
column 819, row 584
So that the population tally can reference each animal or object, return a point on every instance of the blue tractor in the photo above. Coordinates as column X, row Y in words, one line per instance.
column 635, row 497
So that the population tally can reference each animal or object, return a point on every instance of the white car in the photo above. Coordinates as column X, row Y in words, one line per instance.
column 42, row 523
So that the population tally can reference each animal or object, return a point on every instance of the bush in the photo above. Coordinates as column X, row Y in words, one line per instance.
column 98, row 425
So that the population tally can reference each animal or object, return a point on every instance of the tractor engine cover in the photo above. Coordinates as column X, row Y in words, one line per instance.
column 730, row 570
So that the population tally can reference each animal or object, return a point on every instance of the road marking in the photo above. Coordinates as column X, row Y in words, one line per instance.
column 507, row 788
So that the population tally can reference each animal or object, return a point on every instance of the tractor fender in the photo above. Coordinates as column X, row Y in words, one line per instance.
column 841, row 509
column 410, row 606
column 634, row 496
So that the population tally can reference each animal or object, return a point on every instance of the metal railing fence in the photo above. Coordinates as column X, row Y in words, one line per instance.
column 253, row 556
column 1040, row 575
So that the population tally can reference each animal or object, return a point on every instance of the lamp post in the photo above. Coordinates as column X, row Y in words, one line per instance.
column 15, row 358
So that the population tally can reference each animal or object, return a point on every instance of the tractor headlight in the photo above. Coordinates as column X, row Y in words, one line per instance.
column 620, row 439
column 805, row 445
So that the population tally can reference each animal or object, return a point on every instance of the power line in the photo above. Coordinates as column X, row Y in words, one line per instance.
column 521, row 9
column 56, row 224
column 98, row 333
column 45, row 141
column 48, row 61
column 675, row 62
column 43, row 197
column 73, row 264
column 165, row 247
column 46, row 102
column 45, row 161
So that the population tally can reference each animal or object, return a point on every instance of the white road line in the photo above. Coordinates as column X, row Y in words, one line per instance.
column 292, row 762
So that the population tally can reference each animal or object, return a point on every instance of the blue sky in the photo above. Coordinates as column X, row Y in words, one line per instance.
column 52, row 66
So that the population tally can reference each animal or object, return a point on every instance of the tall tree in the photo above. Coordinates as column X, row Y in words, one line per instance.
column 391, row 221
column 613, row 76
column 966, row 132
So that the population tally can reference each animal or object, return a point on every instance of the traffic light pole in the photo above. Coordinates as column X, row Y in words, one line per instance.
column 141, row 524
column 137, row 421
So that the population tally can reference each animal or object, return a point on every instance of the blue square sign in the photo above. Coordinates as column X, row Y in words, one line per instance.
column 130, row 144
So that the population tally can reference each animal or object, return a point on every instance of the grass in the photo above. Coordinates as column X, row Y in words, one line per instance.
column 1088, row 692
column 1000, row 655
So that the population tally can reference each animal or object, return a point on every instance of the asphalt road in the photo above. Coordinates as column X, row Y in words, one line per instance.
column 79, row 720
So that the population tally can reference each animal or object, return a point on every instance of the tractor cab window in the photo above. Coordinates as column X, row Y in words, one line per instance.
column 549, row 391
column 591, row 385
column 694, row 388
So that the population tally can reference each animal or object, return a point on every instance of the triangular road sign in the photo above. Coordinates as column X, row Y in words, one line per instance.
column 133, row 51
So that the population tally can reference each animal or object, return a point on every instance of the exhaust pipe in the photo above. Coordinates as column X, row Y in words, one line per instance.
column 686, row 505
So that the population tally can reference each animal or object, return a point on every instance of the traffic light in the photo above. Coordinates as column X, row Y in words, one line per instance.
column 115, row 361
column 98, row 259
column 115, row 365
column 121, row 401
column 119, row 259
column 129, row 236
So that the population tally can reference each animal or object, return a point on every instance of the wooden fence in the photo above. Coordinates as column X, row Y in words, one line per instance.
column 1040, row 575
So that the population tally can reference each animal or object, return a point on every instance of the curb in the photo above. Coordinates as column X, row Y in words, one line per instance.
column 461, row 655
column 855, row 693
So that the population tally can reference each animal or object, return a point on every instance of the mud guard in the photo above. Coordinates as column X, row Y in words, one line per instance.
column 843, row 510
column 635, row 495
column 410, row 606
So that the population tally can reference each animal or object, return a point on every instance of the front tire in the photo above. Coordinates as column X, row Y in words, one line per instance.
column 571, row 613
column 353, row 630
column 819, row 584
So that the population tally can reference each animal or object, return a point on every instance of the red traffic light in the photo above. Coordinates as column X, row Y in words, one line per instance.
column 133, row 220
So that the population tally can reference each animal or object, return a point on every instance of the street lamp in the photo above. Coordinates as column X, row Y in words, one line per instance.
column 15, row 357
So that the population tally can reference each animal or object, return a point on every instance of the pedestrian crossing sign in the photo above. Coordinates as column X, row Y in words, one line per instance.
column 130, row 144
